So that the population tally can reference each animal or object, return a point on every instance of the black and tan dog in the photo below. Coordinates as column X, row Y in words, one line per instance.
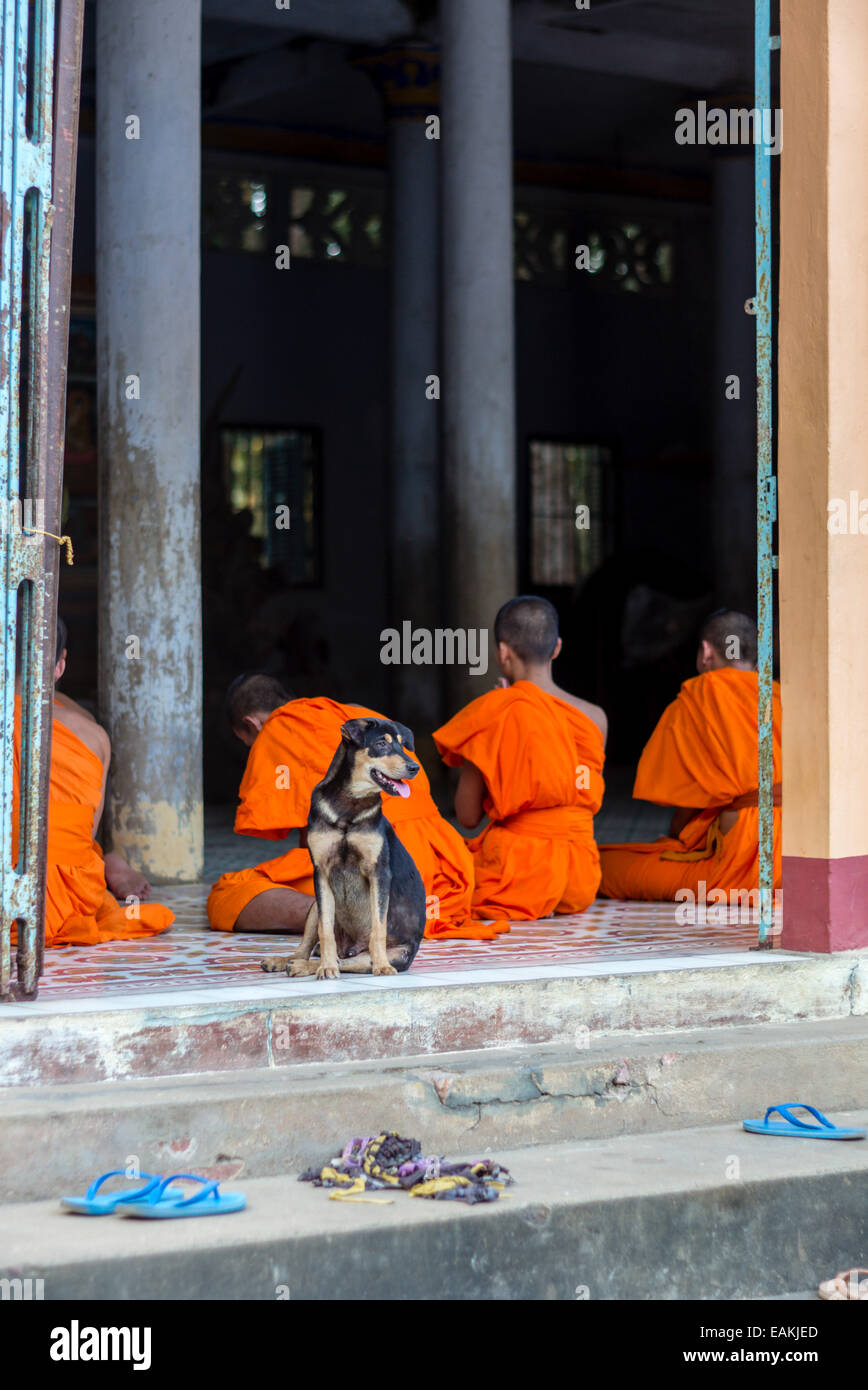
column 369, row 914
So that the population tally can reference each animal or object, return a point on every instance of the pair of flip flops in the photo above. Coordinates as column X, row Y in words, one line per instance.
column 790, row 1127
column 156, row 1199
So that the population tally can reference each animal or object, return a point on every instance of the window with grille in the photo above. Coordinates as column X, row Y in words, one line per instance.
column 274, row 477
column 567, row 520
column 631, row 257
column 339, row 217
column 329, row 223
column 235, row 210
column 623, row 253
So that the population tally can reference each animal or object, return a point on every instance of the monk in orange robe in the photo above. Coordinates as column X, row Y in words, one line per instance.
column 79, row 908
column 292, row 743
column 702, row 761
column 531, row 757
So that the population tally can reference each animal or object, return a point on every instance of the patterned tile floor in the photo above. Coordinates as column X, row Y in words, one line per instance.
column 190, row 956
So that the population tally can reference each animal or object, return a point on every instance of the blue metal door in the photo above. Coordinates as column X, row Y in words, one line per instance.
column 36, row 182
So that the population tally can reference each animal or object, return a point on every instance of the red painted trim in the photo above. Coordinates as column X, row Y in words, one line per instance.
column 825, row 904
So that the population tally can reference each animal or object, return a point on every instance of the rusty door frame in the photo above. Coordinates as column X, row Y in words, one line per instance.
column 41, row 44
column 765, row 43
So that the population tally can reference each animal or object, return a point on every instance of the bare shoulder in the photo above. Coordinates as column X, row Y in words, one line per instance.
column 595, row 713
column 82, row 723
column 63, row 702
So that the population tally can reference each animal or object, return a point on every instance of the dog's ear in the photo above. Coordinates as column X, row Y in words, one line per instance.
column 354, row 731
column 406, row 735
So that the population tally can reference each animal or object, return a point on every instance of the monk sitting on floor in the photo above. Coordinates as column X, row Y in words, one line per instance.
column 531, row 757
column 702, row 760
column 292, row 743
column 79, row 908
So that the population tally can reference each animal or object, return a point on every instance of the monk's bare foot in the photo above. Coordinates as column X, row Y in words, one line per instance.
column 124, row 881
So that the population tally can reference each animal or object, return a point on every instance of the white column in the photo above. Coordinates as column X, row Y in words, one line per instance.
column 478, row 363
column 147, row 272
column 415, row 422
column 407, row 77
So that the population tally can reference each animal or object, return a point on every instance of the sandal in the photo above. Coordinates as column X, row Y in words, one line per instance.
column 799, row 1129
column 161, row 1202
column 96, row 1203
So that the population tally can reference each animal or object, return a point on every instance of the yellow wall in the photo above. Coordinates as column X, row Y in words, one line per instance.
column 823, row 430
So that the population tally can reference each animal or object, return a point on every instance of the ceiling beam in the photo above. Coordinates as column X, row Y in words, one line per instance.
column 702, row 67
column 360, row 21
column 542, row 33
column 262, row 75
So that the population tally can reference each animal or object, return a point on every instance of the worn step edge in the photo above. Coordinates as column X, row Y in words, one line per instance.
column 268, row 1121
column 701, row 1213
column 413, row 1016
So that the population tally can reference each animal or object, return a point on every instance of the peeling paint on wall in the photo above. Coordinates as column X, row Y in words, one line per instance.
column 168, row 838
column 148, row 271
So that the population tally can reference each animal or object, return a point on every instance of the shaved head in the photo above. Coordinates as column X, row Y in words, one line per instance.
column 254, row 693
column 62, row 639
column 529, row 626
column 733, row 636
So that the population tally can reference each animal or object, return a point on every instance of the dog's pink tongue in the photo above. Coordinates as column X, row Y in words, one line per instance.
column 403, row 788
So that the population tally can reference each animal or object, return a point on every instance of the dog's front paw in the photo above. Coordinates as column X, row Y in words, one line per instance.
column 295, row 968
column 384, row 970
column 328, row 972
column 272, row 963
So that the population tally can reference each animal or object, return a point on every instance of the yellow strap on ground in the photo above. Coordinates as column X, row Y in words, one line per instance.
column 354, row 1194
column 430, row 1189
column 332, row 1175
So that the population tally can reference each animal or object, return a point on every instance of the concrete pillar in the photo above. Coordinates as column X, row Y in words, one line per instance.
column 408, row 78
column 734, row 488
column 823, row 472
column 478, row 381
column 147, row 273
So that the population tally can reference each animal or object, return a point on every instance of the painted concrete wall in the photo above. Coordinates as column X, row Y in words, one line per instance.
column 824, row 426
column 823, row 456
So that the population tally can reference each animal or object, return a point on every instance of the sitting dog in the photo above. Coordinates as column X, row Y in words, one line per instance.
column 369, row 914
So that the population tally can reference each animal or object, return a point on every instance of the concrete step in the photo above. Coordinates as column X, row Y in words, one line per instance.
column 709, row 1213
column 267, row 1121
column 277, row 1022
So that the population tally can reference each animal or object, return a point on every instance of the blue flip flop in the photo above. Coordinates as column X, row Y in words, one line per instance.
column 793, row 1128
column 96, row 1203
column 162, row 1201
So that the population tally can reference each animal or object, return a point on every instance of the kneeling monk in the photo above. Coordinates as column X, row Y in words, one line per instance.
column 79, row 908
column 531, row 757
column 292, row 743
column 702, row 760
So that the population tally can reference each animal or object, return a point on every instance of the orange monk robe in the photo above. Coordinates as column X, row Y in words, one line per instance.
column 542, row 763
column 702, row 753
column 291, row 754
column 79, row 909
